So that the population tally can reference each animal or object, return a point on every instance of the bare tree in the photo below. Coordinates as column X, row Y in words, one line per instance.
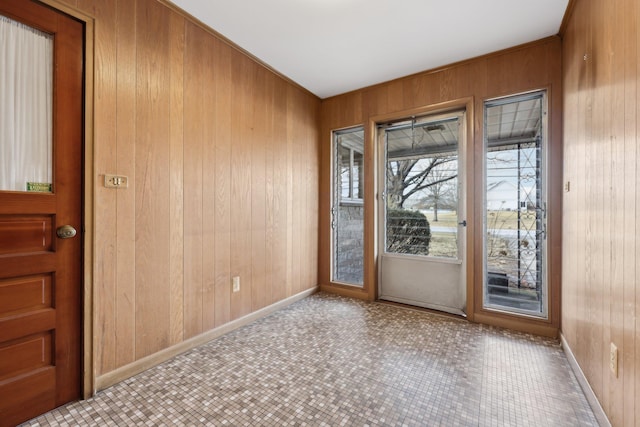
column 443, row 194
column 408, row 177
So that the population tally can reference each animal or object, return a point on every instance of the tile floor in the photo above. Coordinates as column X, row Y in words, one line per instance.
column 333, row 361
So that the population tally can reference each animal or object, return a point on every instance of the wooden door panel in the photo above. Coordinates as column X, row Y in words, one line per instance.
column 37, row 388
column 27, row 203
column 41, row 274
column 25, row 355
column 24, row 265
column 25, row 294
column 22, row 234
column 25, row 324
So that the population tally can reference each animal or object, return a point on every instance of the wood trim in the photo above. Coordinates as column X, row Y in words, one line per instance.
column 346, row 291
column 550, row 325
column 231, row 44
column 471, row 206
column 89, row 389
column 88, row 371
column 65, row 8
column 530, row 326
column 127, row 371
column 370, row 211
column 599, row 413
column 441, row 107
column 566, row 18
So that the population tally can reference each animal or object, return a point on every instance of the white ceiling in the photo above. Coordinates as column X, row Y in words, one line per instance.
column 335, row 46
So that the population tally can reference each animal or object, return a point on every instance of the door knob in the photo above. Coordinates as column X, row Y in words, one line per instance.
column 65, row 232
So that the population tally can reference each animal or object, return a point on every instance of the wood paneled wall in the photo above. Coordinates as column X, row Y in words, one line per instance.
column 524, row 68
column 601, row 296
column 223, row 160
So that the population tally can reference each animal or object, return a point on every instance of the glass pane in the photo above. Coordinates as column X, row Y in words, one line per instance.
column 422, row 189
column 514, row 201
column 26, row 80
column 357, row 174
column 344, row 162
column 348, row 208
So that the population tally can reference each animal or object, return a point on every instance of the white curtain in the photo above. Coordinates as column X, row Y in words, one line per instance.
column 26, row 93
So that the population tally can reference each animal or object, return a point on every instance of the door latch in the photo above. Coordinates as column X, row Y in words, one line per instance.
column 463, row 223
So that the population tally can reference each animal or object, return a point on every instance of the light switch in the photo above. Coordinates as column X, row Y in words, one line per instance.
column 116, row 181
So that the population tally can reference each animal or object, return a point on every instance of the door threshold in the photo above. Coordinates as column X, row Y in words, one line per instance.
column 461, row 316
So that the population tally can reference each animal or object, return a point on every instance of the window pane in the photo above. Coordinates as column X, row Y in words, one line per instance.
column 514, row 205
column 422, row 188
column 26, row 79
column 348, row 208
column 344, row 159
column 357, row 174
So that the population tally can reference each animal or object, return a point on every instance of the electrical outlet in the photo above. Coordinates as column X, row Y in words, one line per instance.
column 613, row 359
column 236, row 283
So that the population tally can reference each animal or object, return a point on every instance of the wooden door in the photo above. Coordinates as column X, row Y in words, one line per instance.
column 41, row 273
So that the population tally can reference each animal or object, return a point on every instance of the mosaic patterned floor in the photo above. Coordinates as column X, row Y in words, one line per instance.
column 333, row 361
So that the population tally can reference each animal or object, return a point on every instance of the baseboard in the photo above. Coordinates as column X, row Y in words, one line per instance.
column 127, row 371
column 601, row 417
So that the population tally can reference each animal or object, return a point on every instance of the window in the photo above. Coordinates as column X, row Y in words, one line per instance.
column 351, row 166
column 26, row 108
column 515, row 211
column 423, row 186
column 347, row 212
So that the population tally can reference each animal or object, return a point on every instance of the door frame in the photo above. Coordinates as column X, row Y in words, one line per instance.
column 374, row 199
column 438, row 264
column 548, row 327
column 87, row 346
